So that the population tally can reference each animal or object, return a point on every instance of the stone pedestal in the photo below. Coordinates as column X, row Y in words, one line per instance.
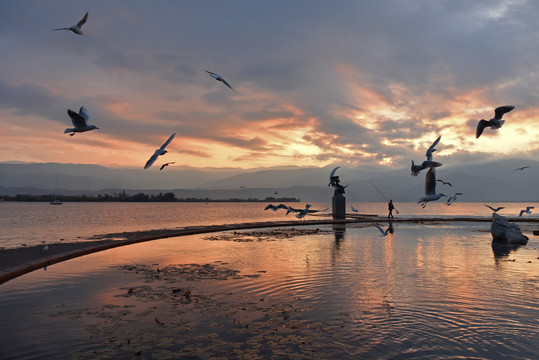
column 339, row 206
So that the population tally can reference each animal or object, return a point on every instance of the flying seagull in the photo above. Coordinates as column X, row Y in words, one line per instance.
column 220, row 78
column 495, row 210
column 496, row 122
column 158, row 152
column 429, row 163
column 354, row 209
column 382, row 231
column 430, row 188
column 166, row 164
column 80, row 121
column 527, row 211
column 453, row 198
column 445, row 182
column 76, row 28
column 275, row 207
column 521, row 168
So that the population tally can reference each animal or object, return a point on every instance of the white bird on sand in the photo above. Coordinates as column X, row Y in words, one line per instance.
column 527, row 211
column 382, row 231
column 220, row 78
column 275, row 207
column 429, row 163
column 76, row 28
column 166, row 164
column 80, row 121
column 354, row 209
column 496, row 122
column 430, row 188
column 453, row 198
column 495, row 210
column 158, row 152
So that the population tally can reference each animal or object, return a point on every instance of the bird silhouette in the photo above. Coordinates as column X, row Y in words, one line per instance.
column 76, row 28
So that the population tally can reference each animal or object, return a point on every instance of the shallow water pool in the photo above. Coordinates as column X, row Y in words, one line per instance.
column 422, row 292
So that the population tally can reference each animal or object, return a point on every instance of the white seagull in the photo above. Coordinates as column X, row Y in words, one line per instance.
column 76, row 28
column 430, row 188
column 80, row 121
column 158, row 152
column 276, row 207
column 453, row 198
column 527, row 211
column 495, row 210
column 382, row 231
column 429, row 163
column 496, row 122
column 220, row 78
column 300, row 213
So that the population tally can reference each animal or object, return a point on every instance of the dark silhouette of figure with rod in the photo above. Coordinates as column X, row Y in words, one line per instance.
column 390, row 207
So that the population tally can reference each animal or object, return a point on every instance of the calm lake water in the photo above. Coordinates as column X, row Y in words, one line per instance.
column 425, row 291
column 34, row 223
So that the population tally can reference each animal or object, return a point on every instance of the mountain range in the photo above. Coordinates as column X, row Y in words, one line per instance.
column 489, row 182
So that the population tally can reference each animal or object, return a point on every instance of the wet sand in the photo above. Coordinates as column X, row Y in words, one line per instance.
column 19, row 261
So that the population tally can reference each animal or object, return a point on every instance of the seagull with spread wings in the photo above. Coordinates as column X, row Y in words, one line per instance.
column 80, row 121
column 496, row 122
column 429, row 163
column 76, row 28
column 220, row 78
column 430, row 188
column 166, row 164
column 528, row 210
column 159, row 152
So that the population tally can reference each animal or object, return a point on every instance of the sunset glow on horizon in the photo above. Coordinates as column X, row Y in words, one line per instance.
column 317, row 83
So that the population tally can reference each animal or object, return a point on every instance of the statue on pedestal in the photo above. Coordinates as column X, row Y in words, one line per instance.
column 338, row 200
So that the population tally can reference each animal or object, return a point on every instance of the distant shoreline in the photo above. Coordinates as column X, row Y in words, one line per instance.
column 140, row 197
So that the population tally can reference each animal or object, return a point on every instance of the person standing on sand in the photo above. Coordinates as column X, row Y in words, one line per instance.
column 390, row 208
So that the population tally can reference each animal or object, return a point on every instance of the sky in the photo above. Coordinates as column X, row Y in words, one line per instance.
column 353, row 83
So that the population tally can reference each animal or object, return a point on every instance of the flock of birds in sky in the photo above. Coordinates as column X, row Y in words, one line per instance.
column 80, row 124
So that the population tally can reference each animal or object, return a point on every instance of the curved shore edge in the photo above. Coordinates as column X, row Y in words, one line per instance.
column 85, row 249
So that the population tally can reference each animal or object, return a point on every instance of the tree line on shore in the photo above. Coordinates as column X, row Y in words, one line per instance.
column 139, row 197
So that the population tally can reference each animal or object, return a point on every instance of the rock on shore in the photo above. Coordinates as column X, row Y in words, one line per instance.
column 505, row 232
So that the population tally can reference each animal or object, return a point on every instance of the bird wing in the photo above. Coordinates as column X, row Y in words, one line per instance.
column 499, row 111
column 167, row 142
column 213, row 75
column 521, row 211
column 490, row 207
column 480, row 127
column 152, row 159
column 84, row 113
column 430, row 182
column 431, row 149
column 77, row 120
column 282, row 206
column 379, row 228
column 528, row 208
column 269, row 206
column 83, row 20
column 227, row 84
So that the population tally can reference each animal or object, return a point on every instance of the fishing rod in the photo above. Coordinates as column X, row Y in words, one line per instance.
column 381, row 193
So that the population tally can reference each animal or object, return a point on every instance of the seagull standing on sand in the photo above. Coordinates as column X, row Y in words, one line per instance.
column 166, row 164
column 430, row 188
column 158, row 152
column 80, row 121
column 527, row 211
column 382, row 231
column 220, row 78
column 429, row 163
column 76, row 28
column 496, row 122
column 495, row 210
